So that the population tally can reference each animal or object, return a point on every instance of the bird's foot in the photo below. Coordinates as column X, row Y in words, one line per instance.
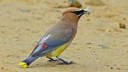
column 23, row 64
column 63, row 61
column 60, row 61
column 52, row 60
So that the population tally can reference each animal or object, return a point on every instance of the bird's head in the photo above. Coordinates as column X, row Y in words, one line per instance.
column 74, row 13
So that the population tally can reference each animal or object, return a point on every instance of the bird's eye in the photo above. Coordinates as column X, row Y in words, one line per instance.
column 78, row 12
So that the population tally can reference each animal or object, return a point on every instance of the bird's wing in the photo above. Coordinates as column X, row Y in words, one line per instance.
column 51, row 40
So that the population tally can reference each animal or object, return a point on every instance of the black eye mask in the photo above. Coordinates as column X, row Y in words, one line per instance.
column 80, row 12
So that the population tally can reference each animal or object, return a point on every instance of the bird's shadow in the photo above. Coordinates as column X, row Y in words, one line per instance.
column 49, row 64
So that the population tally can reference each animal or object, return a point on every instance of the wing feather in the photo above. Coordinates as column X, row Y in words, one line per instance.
column 53, row 40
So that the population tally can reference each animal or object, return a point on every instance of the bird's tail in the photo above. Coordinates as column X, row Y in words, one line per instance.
column 25, row 63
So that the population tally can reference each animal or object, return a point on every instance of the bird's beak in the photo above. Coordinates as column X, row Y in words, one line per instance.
column 87, row 11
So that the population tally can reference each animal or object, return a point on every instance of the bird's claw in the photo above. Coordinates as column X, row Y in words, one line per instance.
column 60, row 61
column 66, row 62
column 52, row 60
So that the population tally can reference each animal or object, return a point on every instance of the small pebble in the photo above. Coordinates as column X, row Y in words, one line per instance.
column 124, row 18
column 2, row 67
column 2, row 32
column 121, row 25
column 111, row 67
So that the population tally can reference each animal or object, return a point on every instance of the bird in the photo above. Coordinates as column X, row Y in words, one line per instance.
column 57, row 38
column 74, row 3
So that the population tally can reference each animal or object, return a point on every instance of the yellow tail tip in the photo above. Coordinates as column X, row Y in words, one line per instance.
column 23, row 64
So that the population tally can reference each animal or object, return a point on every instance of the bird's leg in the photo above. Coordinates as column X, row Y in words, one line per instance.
column 52, row 59
column 60, row 60
column 64, row 61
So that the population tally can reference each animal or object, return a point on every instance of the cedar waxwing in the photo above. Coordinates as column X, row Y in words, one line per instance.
column 57, row 38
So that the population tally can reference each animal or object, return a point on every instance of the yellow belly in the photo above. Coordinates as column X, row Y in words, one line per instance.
column 58, row 51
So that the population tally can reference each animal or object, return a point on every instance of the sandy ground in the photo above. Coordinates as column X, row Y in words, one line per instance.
column 99, row 46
